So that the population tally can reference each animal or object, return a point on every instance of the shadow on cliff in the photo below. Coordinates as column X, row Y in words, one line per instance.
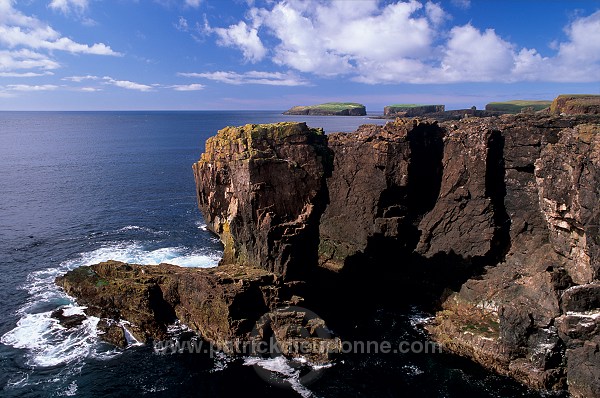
column 389, row 273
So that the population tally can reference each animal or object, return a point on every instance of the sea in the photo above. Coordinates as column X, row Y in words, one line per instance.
column 78, row 188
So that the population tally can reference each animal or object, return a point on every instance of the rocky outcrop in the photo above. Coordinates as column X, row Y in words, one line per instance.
column 214, row 303
column 492, row 220
column 576, row 104
column 261, row 189
column 518, row 106
column 412, row 110
column 507, row 317
column 233, row 307
column 329, row 109
column 502, row 210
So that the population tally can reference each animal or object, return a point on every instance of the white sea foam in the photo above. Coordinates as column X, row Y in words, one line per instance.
column 48, row 343
column 131, row 340
column 201, row 225
column 221, row 361
column 280, row 366
column 135, row 252
column 71, row 391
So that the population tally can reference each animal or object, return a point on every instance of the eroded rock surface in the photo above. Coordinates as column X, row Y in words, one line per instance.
column 504, row 210
column 220, row 304
column 494, row 219
column 260, row 188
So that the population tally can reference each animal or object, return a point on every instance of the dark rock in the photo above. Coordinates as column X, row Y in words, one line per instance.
column 112, row 333
column 583, row 370
column 68, row 321
column 412, row 110
column 261, row 189
column 503, row 211
column 576, row 104
column 582, row 298
column 222, row 305
column 217, row 303
column 568, row 178
column 577, row 328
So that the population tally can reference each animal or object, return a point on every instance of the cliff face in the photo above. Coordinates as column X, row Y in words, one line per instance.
column 412, row 111
column 576, row 104
column 329, row 109
column 504, row 211
column 260, row 188
column 235, row 308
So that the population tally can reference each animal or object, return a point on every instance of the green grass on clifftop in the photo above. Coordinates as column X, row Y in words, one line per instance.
column 517, row 106
column 335, row 106
column 406, row 105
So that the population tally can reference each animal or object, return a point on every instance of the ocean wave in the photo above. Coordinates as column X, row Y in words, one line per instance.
column 284, row 372
column 201, row 225
column 135, row 228
column 136, row 252
column 48, row 343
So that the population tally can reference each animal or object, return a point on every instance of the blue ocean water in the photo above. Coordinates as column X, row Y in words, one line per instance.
column 83, row 187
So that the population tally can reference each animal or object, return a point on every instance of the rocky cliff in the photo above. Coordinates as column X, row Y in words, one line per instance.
column 495, row 220
column 412, row 110
column 329, row 109
column 234, row 308
column 576, row 104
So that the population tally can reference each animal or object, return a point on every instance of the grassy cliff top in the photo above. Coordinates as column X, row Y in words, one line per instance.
column 515, row 106
column 576, row 103
column 335, row 106
column 407, row 105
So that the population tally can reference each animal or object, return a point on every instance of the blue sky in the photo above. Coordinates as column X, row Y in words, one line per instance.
column 252, row 54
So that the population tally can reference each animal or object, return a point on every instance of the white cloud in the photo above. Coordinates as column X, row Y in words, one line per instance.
column 465, row 4
column 79, row 79
column 126, row 84
column 24, row 74
column 49, row 39
column 30, row 43
column 333, row 38
column 400, row 42
column 435, row 13
column 476, row 56
column 27, row 87
column 67, row 6
column 89, row 89
column 243, row 37
column 193, row 3
column 188, row 87
column 25, row 59
column 182, row 25
column 252, row 77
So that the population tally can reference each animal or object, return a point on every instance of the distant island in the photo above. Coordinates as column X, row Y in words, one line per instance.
column 329, row 109
column 518, row 106
column 411, row 110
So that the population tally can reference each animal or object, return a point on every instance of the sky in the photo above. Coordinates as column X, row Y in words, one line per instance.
column 273, row 54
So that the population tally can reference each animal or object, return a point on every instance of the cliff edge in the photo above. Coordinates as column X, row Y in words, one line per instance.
column 495, row 220
column 329, row 109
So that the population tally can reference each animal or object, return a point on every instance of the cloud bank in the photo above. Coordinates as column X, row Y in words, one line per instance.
column 402, row 42
column 30, row 43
